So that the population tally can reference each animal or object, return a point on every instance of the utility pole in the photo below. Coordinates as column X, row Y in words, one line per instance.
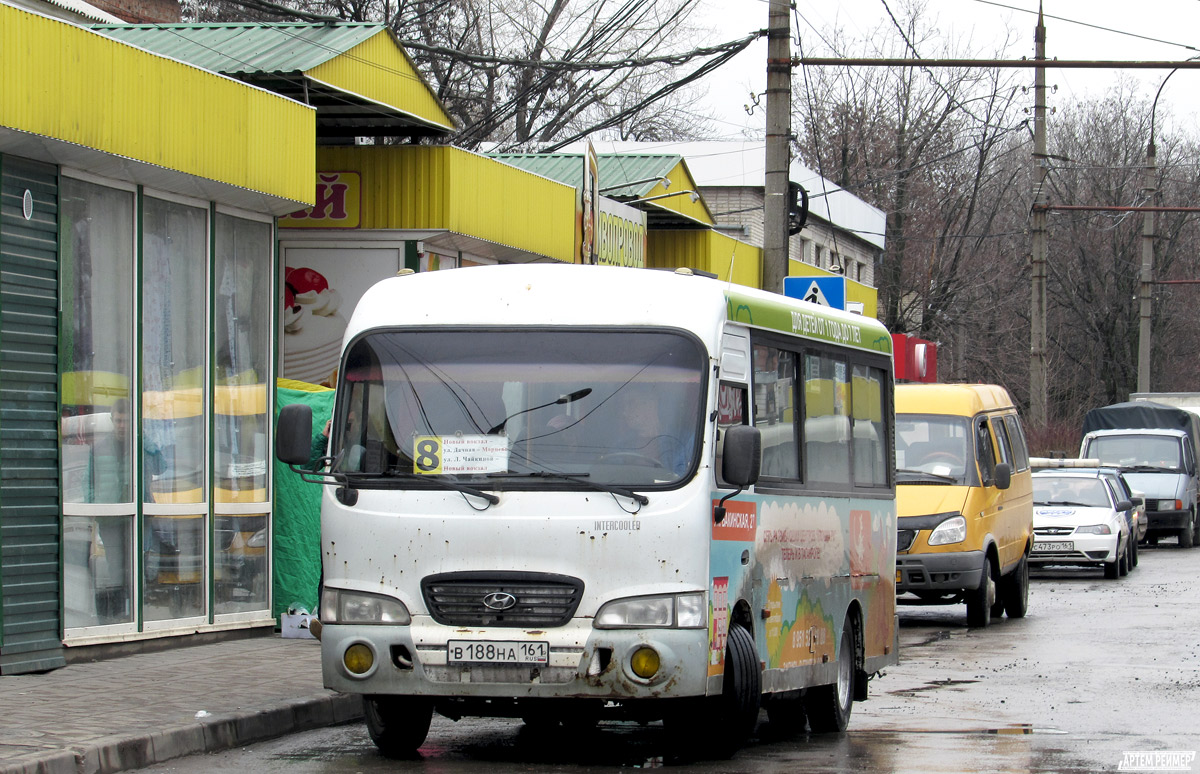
column 779, row 133
column 1038, row 396
column 1147, row 272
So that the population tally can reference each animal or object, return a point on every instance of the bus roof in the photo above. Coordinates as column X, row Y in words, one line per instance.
column 960, row 400
column 566, row 294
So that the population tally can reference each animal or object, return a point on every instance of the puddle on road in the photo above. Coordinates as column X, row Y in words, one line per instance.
column 931, row 686
column 1016, row 729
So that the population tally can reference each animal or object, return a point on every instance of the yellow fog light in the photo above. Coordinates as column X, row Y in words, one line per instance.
column 358, row 659
column 644, row 663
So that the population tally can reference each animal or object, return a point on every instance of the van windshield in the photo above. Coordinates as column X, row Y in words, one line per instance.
column 520, row 408
column 932, row 449
column 1136, row 451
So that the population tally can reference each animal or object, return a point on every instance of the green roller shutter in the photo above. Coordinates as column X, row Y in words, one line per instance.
column 30, row 532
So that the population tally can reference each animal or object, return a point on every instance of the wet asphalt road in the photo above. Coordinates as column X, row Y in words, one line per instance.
column 1097, row 669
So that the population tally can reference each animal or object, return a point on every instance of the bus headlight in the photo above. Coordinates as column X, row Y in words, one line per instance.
column 952, row 530
column 665, row 611
column 339, row 606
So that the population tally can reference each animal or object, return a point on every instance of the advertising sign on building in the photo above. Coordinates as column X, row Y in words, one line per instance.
column 620, row 235
column 587, row 207
column 339, row 197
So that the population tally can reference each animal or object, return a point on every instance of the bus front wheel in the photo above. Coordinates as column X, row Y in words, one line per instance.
column 398, row 725
column 828, row 706
column 719, row 726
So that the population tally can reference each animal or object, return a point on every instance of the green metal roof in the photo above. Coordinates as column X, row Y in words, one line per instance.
column 621, row 176
column 245, row 48
column 377, row 90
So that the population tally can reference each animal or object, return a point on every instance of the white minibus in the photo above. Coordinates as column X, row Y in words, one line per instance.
column 573, row 493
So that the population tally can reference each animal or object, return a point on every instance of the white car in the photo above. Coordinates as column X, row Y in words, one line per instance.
column 1079, row 520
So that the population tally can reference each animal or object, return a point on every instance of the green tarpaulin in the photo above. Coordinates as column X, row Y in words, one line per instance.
column 297, row 538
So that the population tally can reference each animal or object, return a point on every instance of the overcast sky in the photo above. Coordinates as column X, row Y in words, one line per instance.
column 1168, row 30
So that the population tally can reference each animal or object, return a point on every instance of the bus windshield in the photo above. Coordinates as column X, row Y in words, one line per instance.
column 933, row 449
column 520, row 408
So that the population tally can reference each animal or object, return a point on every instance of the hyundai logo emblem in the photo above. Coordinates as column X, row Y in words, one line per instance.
column 499, row 600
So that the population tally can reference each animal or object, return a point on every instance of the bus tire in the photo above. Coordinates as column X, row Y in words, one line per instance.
column 981, row 599
column 398, row 725
column 828, row 706
column 741, row 695
column 1015, row 590
column 718, row 726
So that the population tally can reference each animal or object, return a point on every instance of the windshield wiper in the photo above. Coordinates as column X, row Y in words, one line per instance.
column 394, row 478
column 1067, row 502
column 578, row 478
column 1147, row 468
column 923, row 474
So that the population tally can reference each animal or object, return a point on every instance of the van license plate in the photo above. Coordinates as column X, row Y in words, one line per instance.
column 497, row 652
column 1040, row 547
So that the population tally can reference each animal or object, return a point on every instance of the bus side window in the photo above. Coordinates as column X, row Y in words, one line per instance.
column 731, row 410
column 984, row 453
column 1017, row 438
column 774, row 411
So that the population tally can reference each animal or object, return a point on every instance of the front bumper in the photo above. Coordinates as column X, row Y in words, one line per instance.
column 583, row 662
column 952, row 571
column 1167, row 520
column 1085, row 549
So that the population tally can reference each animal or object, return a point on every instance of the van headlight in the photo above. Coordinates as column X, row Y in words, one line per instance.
column 952, row 530
column 665, row 611
column 339, row 606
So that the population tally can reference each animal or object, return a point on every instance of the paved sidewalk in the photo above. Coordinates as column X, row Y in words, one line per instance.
column 137, row 710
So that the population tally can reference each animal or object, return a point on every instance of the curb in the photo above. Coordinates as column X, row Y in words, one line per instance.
column 211, row 734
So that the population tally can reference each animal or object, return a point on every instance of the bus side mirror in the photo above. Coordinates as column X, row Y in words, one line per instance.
column 1003, row 475
column 293, row 434
column 741, row 458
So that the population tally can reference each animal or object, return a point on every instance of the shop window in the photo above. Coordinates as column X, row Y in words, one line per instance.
column 97, row 239
column 174, row 342
column 241, row 330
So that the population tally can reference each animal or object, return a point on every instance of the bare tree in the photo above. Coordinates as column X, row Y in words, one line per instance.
column 925, row 147
column 519, row 74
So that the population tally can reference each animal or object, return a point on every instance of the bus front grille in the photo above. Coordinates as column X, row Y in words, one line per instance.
column 515, row 599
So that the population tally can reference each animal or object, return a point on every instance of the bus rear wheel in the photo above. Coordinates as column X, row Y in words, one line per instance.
column 828, row 706
column 398, row 725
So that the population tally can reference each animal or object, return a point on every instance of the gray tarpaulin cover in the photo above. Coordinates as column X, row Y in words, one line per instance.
column 1138, row 414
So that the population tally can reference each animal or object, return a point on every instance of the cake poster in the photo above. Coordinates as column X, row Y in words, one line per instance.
column 313, row 327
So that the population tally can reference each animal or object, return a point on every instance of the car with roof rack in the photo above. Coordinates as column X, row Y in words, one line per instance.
column 1079, row 521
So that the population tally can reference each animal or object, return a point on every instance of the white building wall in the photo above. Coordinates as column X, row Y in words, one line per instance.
column 818, row 243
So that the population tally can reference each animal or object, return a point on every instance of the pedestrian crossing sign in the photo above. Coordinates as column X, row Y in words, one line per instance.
column 826, row 291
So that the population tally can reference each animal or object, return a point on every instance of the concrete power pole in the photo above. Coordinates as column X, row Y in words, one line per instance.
column 1146, row 283
column 779, row 132
column 1038, row 396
